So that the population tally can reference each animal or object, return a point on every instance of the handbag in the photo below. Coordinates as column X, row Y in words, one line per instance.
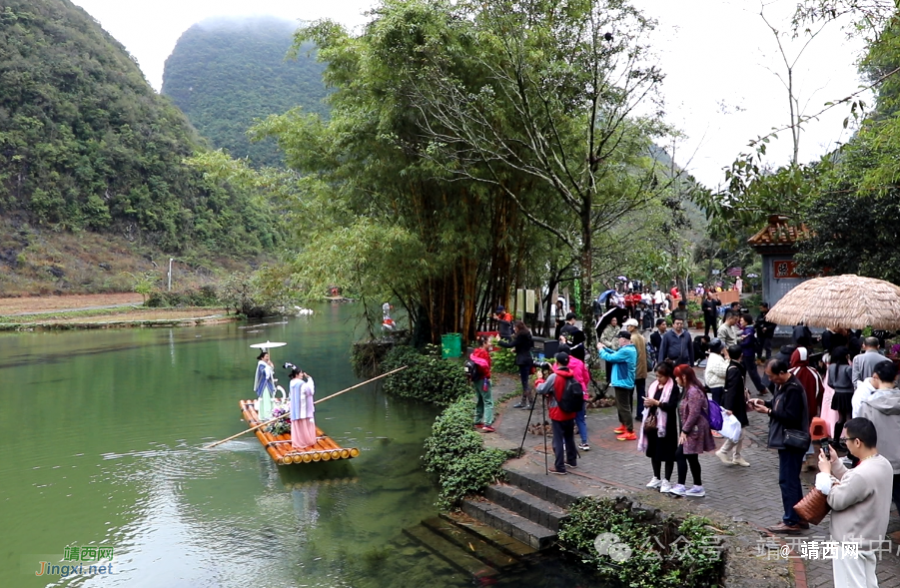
column 813, row 507
column 797, row 439
column 650, row 424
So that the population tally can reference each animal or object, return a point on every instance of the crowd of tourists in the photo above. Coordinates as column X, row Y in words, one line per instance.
column 848, row 390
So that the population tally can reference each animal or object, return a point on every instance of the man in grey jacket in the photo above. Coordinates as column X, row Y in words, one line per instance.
column 883, row 409
column 861, row 502
column 864, row 363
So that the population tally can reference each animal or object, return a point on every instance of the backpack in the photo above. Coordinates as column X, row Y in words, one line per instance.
column 472, row 369
column 714, row 415
column 572, row 397
column 651, row 356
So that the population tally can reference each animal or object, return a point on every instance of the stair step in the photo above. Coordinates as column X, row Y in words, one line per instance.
column 450, row 552
column 553, row 489
column 498, row 539
column 526, row 504
column 470, row 543
column 535, row 535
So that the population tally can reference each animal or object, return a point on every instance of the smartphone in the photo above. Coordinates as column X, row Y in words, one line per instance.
column 826, row 449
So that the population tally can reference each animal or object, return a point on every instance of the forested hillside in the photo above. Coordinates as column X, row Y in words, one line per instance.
column 226, row 73
column 86, row 144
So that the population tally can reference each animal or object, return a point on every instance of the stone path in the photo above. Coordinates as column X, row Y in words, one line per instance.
column 748, row 494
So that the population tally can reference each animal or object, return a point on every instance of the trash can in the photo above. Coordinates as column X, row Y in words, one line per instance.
column 451, row 345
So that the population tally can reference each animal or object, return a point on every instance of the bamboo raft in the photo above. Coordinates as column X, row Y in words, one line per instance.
column 279, row 447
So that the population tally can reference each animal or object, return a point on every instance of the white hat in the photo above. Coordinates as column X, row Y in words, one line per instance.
column 631, row 323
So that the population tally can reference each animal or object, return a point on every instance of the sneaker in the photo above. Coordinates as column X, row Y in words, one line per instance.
column 584, row 447
column 627, row 437
column 741, row 462
column 519, row 405
column 725, row 459
column 488, row 429
column 654, row 483
column 696, row 492
column 557, row 472
column 665, row 486
column 571, row 465
column 478, row 425
column 784, row 528
column 678, row 490
column 620, row 429
column 717, row 434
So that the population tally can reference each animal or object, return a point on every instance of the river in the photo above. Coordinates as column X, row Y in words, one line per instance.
column 101, row 439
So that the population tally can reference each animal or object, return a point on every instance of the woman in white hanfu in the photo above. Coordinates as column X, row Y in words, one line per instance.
column 303, row 410
column 264, row 386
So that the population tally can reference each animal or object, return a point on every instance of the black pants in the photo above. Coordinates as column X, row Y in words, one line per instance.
column 709, row 322
column 564, row 441
column 683, row 461
column 789, row 463
column 896, row 491
column 749, row 362
column 641, row 386
column 525, row 375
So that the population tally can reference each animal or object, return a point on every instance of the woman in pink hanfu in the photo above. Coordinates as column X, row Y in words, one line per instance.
column 303, row 423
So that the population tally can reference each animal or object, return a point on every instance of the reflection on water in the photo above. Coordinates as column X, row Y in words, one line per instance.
column 101, row 438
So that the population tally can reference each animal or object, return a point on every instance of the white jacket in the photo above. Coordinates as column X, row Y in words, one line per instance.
column 716, row 366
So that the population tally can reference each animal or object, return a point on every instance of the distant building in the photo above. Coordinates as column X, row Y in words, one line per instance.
column 777, row 243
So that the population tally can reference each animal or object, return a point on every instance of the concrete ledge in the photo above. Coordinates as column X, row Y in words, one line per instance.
column 549, row 488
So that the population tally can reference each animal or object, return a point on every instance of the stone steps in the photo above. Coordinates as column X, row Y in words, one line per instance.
column 513, row 524
column 490, row 535
column 470, row 543
column 526, row 505
column 450, row 552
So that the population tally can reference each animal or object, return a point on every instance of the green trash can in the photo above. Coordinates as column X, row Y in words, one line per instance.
column 451, row 345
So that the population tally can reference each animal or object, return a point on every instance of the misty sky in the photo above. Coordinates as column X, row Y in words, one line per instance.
column 718, row 57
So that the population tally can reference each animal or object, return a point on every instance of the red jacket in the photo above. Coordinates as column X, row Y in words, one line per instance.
column 559, row 384
column 483, row 359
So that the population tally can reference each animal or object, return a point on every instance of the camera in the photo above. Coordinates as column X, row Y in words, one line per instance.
column 289, row 366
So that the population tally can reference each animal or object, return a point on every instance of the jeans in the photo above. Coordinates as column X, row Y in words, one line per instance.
column 564, row 440
column 789, row 462
column 749, row 362
column 641, row 387
column 623, row 407
column 484, row 402
column 582, row 425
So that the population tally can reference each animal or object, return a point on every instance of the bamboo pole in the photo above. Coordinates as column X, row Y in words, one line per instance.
column 279, row 417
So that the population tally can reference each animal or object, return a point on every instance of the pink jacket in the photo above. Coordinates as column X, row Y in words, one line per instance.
column 580, row 372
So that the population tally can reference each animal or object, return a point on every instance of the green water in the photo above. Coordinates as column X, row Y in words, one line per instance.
column 100, row 437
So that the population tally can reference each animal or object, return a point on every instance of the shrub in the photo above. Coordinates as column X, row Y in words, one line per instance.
column 427, row 377
column 203, row 296
column 456, row 453
column 503, row 361
column 647, row 551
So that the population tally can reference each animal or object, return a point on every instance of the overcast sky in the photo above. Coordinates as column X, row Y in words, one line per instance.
column 718, row 57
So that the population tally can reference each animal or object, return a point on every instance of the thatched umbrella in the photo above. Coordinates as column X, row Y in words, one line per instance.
column 847, row 301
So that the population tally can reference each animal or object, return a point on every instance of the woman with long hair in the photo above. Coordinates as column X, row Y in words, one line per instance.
column 523, row 343
column 264, row 386
column 659, row 430
column 840, row 378
column 695, row 437
column 303, row 410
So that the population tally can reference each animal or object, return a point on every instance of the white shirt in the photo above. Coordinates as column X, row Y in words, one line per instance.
column 658, row 297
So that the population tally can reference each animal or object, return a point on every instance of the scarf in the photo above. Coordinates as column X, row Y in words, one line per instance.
column 661, row 416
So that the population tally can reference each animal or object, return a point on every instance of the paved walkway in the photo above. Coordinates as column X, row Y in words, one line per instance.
column 748, row 494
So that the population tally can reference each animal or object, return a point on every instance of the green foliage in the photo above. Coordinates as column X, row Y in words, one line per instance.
column 203, row 296
column 225, row 74
column 427, row 377
column 144, row 283
column 665, row 553
column 86, row 144
column 456, row 453
column 503, row 361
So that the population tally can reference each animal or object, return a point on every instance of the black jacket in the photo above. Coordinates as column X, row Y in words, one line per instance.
column 763, row 328
column 656, row 340
column 523, row 344
column 733, row 396
column 789, row 411
column 709, row 308
column 575, row 338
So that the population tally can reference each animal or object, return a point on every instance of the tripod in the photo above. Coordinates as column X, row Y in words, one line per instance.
column 528, row 424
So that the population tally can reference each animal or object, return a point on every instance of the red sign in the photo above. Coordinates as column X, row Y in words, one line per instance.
column 784, row 269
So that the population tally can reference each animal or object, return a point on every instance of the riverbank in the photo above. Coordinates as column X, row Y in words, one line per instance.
column 100, row 311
